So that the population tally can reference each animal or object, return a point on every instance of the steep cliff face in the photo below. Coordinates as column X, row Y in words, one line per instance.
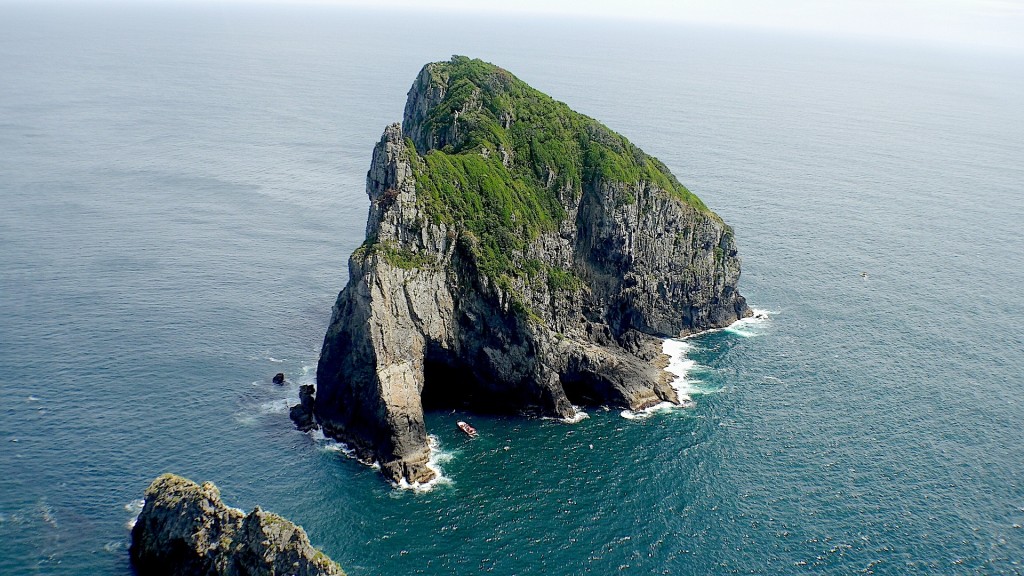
column 518, row 256
column 185, row 529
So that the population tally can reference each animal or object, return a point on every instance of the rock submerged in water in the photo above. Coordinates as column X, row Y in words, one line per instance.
column 278, row 378
column 518, row 256
column 185, row 529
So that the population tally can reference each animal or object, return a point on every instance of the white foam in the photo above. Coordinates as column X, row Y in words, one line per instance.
column 578, row 416
column 278, row 399
column 679, row 365
column 437, row 456
column 652, row 410
column 332, row 445
column 272, row 359
column 747, row 327
column 279, row 406
column 113, row 547
column 47, row 513
column 134, row 508
column 759, row 316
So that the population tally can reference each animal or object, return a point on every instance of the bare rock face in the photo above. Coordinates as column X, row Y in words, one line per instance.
column 519, row 257
column 185, row 530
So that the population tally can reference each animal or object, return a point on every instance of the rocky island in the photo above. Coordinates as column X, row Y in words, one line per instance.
column 185, row 529
column 519, row 256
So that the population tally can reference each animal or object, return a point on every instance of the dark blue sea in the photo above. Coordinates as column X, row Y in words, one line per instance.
column 181, row 186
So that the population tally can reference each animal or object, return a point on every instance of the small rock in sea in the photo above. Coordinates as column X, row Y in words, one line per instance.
column 302, row 413
column 279, row 378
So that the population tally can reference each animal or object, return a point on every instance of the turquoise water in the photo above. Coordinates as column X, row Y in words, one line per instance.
column 181, row 188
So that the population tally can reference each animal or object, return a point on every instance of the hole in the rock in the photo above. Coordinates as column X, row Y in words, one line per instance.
column 587, row 388
column 447, row 387
column 580, row 389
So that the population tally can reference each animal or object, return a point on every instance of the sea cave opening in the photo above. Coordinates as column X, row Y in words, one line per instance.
column 450, row 383
column 447, row 386
column 584, row 389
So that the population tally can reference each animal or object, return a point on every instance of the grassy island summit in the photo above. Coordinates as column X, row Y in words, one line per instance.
column 499, row 158
column 519, row 256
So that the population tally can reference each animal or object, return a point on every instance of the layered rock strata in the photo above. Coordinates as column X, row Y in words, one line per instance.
column 519, row 256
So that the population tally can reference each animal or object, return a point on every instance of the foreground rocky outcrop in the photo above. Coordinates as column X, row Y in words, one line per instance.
column 185, row 530
column 518, row 256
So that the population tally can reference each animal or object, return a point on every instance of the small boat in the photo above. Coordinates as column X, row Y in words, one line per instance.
column 469, row 430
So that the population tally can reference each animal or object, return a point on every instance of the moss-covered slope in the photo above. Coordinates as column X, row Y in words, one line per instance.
column 498, row 158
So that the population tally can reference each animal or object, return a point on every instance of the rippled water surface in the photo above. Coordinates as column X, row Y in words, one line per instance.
column 180, row 189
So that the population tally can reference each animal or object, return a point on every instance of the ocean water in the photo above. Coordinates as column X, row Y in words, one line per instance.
column 180, row 188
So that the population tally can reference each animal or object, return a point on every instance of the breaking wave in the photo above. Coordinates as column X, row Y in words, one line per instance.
column 578, row 416
column 681, row 366
column 748, row 327
column 436, row 458
column 134, row 508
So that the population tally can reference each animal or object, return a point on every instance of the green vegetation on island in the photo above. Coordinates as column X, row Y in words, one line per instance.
column 509, row 153
column 526, row 248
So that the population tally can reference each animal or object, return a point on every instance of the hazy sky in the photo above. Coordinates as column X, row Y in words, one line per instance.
column 979, row 22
